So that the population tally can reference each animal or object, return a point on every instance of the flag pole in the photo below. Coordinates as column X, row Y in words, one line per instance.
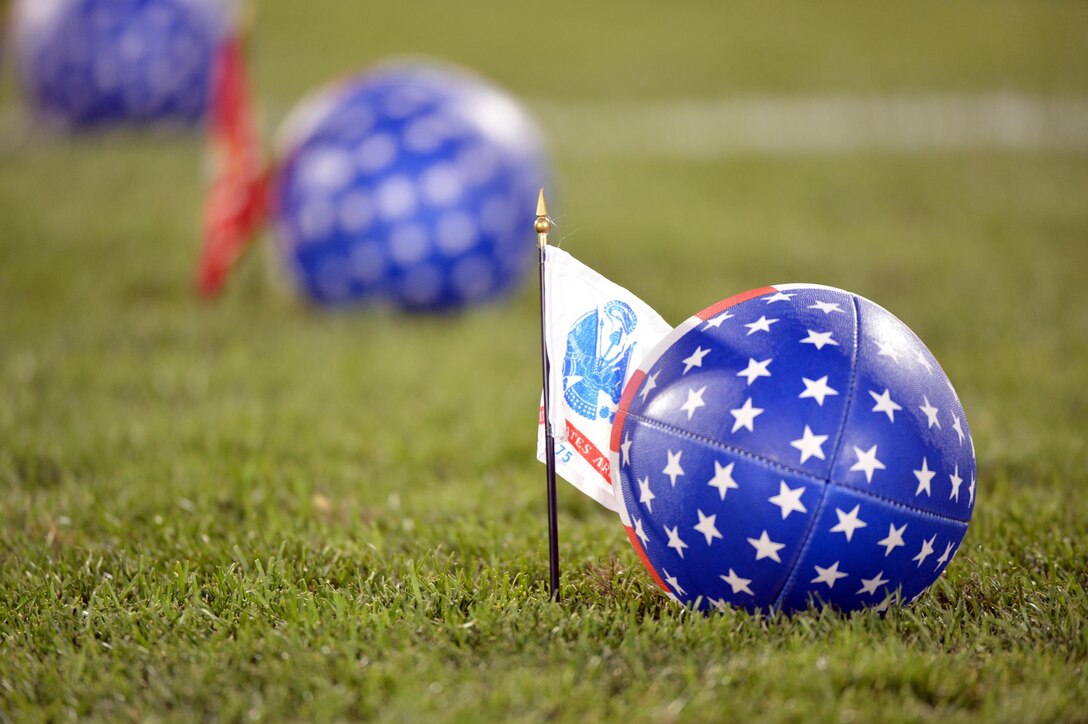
column 542, row 227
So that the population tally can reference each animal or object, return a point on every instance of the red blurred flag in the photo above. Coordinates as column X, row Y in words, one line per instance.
column 237, row 199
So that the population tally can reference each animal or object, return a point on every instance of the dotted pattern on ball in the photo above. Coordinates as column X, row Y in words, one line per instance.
column 88, row 63
column 801, row 446
column 414, row 184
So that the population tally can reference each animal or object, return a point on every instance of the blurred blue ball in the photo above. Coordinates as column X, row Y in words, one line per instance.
column 91, row 63
column 413, row 183
column 794, row 445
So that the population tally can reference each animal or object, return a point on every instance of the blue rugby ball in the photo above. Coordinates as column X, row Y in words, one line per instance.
column 796, row 445
column 95, row 63
column 413, row 183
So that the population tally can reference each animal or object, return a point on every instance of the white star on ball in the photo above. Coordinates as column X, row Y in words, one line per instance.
column 956, row 482
column 869, row 585
column 674, row 540
column 817, row 390
column 738, row 584
column 723, row 478
column 716, row 322
column 745, row 415
column 651, row 382
column 695, row 359
column 694, row 401
column 925, row 552
column 672, row 468
column 828, row 575
column 867, row 462
column 885, row 403
column 848, row 522
column 673, row 583
column 707, row 527
column 645, row 494
column 810, row 445
column 760, row 325
column 766, row 548
column 789, row 500
column 819, row 339
column 893, row 540
column 925, row 478
column 930, row 412
column 827, row 307
column 755, row 370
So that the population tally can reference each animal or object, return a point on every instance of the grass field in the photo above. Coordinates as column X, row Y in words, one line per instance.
column 254, row 510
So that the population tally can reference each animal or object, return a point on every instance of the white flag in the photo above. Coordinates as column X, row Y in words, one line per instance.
column 596, row 334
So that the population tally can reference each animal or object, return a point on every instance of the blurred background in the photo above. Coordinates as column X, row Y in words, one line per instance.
column 931, row 156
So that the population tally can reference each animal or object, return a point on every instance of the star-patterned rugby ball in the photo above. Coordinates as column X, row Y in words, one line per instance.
column 93, row 63
column 409, row 183
column 791, row 445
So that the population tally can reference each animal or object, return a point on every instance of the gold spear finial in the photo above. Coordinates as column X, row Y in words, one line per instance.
column 543, row 224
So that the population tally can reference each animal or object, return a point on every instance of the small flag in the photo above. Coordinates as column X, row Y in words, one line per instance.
column 596, row 334
column 237, row 200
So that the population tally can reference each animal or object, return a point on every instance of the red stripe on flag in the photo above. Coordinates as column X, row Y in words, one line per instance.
column 585, row 447
column 236, row 206
column 625, row 405
column 637, row 545
column 715, row 309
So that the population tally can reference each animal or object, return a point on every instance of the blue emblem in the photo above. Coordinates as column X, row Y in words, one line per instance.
column 598, row 352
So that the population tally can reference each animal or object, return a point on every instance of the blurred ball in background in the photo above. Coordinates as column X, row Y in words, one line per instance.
column 93, row 63
column 413, row 182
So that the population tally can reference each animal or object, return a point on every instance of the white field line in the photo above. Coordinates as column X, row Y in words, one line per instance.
column 833, row 124
column 778, row 125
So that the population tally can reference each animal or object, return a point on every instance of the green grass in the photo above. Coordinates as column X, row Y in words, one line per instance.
column 255, row 510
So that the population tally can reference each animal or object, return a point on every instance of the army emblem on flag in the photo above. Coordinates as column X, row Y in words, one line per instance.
column 597, row 332
column 598, row 354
